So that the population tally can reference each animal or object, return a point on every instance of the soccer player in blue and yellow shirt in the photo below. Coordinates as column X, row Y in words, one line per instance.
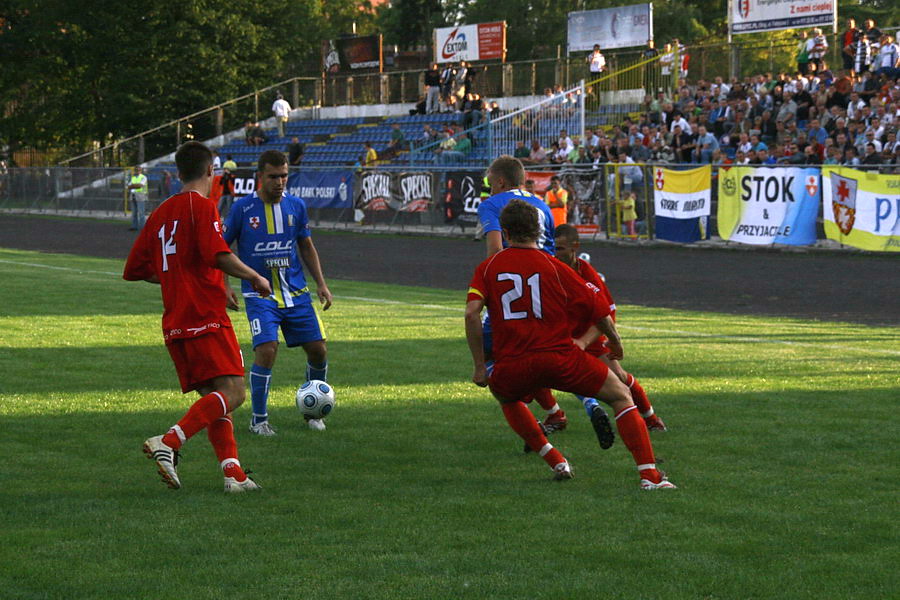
column 272, row 233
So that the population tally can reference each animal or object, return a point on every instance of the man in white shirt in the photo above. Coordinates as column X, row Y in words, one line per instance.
column 854, row 108
column 680, row 121
column 565, row 142
column 282, row 111
column 597, row 61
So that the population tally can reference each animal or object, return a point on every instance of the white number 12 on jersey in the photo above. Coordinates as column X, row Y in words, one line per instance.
column 534, row 285
column 168, row 245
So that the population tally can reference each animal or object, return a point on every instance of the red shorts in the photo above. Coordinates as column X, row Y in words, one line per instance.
column 570, row 370
column 200, row 359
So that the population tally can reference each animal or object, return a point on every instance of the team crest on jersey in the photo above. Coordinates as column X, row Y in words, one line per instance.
column 290, row 220
column 254, row 222
column 660, row 179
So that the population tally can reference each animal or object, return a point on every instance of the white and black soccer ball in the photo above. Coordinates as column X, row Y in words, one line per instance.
column 315, row 399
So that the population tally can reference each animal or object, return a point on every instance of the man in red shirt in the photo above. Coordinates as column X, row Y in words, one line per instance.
column 181, row 248
column 567, row 245
column 532, row 299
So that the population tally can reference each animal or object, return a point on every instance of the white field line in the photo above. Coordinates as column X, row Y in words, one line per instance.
column 735, row 338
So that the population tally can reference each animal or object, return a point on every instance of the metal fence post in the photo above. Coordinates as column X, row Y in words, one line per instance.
column 256, row 106
column 140, row 156
column 220, row 120
column 350, row 90
column 295, row 93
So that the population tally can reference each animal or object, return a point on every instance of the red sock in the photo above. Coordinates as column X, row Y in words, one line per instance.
column 522, row 422
column 639, row 396
column 203, row 412
column 221, row 435
column 633, row 432
column 545, row 398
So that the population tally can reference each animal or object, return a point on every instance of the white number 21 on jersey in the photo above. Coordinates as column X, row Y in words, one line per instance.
column 168, row 245
column 534, row 285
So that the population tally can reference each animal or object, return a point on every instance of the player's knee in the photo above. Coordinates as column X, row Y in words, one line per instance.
column 616, row 394
column 317, row 353
column 235, row 392
column 264, row 354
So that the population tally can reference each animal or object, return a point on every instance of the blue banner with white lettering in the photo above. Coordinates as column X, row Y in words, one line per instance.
column 322, row 189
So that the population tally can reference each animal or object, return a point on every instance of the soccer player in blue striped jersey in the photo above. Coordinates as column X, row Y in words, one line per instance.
column 271, row 229
column 506, row 176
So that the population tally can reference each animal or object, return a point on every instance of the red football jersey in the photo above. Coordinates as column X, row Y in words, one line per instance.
column 532, row 299
column 589, row 274
column 179, row 245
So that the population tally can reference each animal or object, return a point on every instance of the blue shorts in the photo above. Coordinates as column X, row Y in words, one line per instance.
column 299, row 324
column 487, row 336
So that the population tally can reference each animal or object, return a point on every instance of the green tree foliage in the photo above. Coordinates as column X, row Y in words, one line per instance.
column 75, row 73
column 409, row 23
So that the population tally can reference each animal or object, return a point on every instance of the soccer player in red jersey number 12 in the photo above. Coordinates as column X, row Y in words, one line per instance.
column 181, row 248
column 532, row 299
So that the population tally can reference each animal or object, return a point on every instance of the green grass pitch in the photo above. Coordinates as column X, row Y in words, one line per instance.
column 783, row 441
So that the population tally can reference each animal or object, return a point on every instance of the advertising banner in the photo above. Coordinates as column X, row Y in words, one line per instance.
column 861, row 208
column 682, row 201
column 373, row 191
column 462, row 196
column 618, row 27
column 750, row 16
column 401, row 192
column 244, row 182
column 484, row 41
column 322, row 189
column 413, row 192
column 345, row 55
column 768, row 205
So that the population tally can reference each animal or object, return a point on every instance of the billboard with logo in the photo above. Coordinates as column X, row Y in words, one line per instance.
column 769, row 205
column 751, row 16
column 401, row 192
column 351, row 54
column 619, row 27
column 484, row 41
column 861, row 208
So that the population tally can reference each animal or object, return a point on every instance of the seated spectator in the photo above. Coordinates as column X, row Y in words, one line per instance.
column 521, row 151
column 254, row 134
column 706, row 145
column 229, row 164
column 537, row 155
column 295, row 151
column 459, row 152
column 872, row 157
column 473, row 111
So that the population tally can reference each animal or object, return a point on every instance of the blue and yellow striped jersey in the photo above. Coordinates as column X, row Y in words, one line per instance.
column 267, row 236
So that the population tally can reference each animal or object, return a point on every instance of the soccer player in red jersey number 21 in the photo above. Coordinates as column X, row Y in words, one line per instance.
column 181, row 248
column 532, row 300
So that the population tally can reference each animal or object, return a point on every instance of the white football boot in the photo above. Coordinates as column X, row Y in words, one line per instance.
column 166, row 460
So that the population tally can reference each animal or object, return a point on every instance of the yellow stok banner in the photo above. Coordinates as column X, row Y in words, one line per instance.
column 861, row 208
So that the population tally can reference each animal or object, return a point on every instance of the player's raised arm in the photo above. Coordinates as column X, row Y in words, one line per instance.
column 310, row 257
